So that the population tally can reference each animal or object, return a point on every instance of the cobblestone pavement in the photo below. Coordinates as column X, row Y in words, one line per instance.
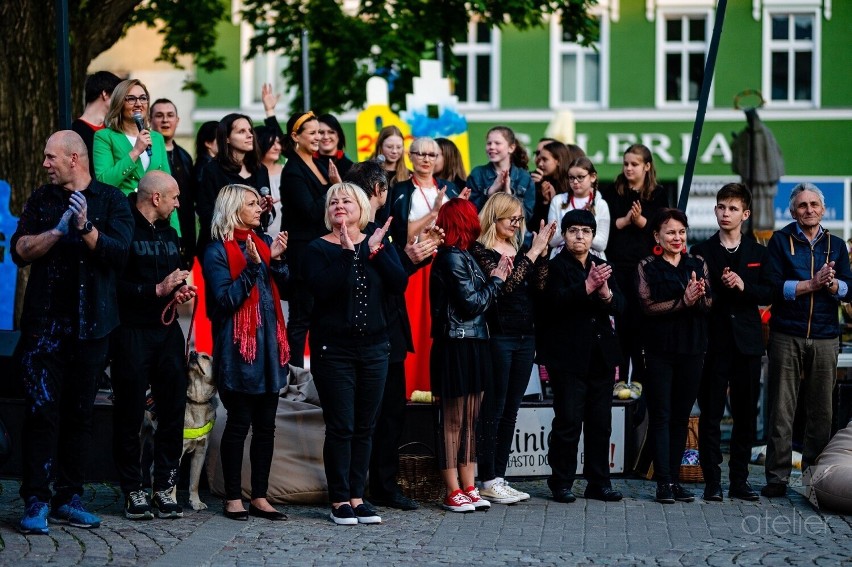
column 636, row 531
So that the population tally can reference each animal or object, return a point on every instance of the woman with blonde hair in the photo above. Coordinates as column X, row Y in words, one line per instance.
column 122, row 152
column 511, row 326
column 349, row 274
column 243, row 270
column 390, row 153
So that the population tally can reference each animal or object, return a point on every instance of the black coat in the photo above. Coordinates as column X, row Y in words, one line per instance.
column 734, row 321
column 302, row 207
column 399, row 207
column 571, row 323
column 459, row 295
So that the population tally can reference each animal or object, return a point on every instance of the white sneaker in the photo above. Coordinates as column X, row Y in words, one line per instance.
column 498, row 494
column 458, row 502
column 478, row 502
column 522, row 496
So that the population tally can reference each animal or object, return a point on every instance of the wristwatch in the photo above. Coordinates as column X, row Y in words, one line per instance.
column 87, row 228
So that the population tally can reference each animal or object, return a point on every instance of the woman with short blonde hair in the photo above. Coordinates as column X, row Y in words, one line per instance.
column 243, row 269
column 349, row 274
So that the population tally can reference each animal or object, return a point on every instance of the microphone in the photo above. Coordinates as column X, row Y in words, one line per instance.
column 137, row 117
column 380, row 159
column 267, row 216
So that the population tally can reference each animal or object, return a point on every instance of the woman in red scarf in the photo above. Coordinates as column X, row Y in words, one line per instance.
column 242, row 271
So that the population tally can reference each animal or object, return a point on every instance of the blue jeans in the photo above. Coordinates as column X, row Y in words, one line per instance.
column 350, row 381
column 512, row 357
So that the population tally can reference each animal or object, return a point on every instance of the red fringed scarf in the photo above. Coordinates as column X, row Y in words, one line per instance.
column 247, row 318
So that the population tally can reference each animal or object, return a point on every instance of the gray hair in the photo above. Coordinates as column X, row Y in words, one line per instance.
column 800, row 188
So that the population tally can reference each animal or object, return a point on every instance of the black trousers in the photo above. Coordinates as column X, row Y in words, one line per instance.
column 581, row 403
column 142, row 357
column 384, row 460
column 257, row 411
column 630, row 328
column 512, row 358
column 736, row 376
column 350, row 381
column 299, row 307
column 671, row 387
column 59, row 374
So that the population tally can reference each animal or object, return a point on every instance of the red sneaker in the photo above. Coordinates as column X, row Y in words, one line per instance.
column 458, row 501
column 478, row 503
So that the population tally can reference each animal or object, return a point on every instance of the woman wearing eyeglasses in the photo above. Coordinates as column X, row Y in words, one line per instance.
column 414, row 205
column 511, row 327
column 584, row 195
column 123, row 153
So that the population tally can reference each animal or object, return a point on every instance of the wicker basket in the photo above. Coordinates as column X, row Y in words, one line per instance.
column 692, row 473
column 418, row 474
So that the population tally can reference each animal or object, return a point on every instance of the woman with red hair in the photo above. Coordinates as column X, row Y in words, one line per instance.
column 459, row 294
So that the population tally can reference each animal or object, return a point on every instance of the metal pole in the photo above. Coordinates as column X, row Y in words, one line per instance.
column 306, row 73
column 63, row 60
column 709, row 68
column 440, row 49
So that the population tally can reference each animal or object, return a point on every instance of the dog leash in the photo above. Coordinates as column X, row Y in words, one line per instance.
column 168, row 317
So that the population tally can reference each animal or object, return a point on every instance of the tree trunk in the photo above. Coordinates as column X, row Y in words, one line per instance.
column 28, row 84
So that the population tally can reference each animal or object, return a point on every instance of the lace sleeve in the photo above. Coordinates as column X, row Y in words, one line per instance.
column 484, row 257
column 706, row 302
column 521, row 269
column 649, row 305
column 540, row 272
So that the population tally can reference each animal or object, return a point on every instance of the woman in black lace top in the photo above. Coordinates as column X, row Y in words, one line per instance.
column 674, row 294
column 512, row 342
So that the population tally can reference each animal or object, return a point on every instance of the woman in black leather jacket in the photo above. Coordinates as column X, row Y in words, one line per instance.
column 459, row 295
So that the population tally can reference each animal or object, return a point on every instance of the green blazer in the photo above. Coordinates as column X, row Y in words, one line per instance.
column 113, row 165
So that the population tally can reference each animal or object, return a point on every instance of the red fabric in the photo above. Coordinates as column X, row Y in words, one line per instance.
column 417, row 363
column 247, row 318
column 203, row 329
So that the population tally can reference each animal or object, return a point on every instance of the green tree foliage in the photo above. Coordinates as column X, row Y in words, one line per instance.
column 388, row 37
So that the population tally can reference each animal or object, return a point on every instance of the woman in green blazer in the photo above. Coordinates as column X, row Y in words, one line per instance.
column 120, row 148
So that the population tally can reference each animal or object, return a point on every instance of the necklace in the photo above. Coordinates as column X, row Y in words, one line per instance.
column 731, row 250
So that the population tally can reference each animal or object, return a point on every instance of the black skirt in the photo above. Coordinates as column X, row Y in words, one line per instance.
column 459, row 367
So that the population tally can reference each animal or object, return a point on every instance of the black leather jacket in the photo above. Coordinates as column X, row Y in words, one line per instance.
column 459, row 295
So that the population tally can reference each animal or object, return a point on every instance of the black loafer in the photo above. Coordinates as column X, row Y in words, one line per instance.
column 273, row 515
column 774, row 490
column 743, row 491
column 239, row 515
column 713, row 492
column 398, row 501
column 605, row 493
column 564, row 496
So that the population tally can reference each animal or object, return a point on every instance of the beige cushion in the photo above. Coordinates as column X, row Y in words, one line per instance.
column 297, row 474
column 829, row 481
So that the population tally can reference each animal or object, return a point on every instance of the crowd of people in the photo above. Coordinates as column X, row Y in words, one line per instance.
column 603, row 286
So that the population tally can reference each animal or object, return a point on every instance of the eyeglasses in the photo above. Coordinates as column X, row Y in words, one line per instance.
column 132, row 99
column 424, row 155
column 572, row 179
column 514, row 221
column 583, row 231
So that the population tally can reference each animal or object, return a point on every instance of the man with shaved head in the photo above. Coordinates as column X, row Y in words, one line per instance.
column 74, row 232
column 148, row 350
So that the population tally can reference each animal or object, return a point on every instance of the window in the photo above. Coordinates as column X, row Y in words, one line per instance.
column 477, row 77
column 683, row 40
column 791, row 58
column 579, row 75
column 262, row 68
